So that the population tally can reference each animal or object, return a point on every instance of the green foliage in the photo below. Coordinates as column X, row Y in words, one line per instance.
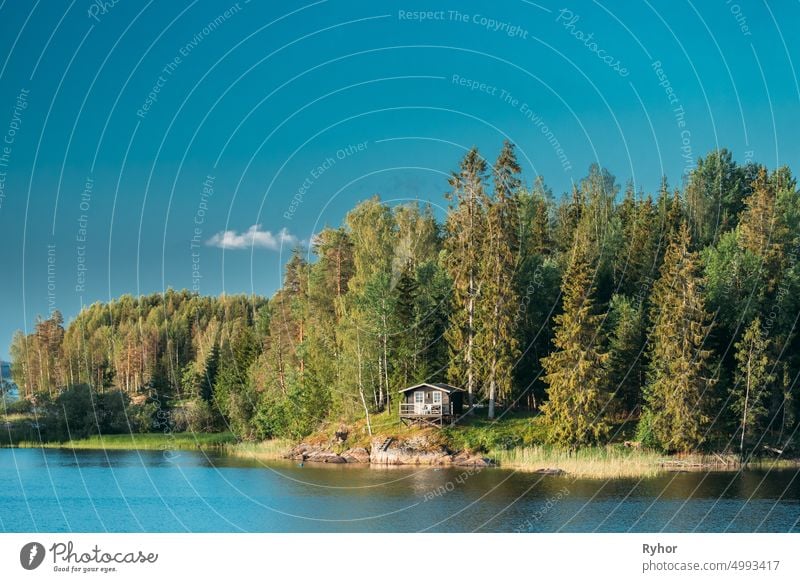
column 679, row 391
column 645, row 433
column 465, row 230
column 496, row 347
column 482, row 435
column 194, row 415
column 715, row 194
column 80, row 411
column 626, row 346
column 521, row 299
column 577, row 370
column 21, row 406
column 753, row 382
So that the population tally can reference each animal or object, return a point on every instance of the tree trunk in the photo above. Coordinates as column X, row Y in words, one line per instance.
column 380, row 382
column 744, row 412
column 361, row 387
column 468, row 355
column 386, row 367
column 492, row 391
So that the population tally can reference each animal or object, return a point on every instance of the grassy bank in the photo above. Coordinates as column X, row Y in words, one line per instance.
column 611, row 462
column 518, row 441
column 144, row 441
column 515, row 442
column 260, row 451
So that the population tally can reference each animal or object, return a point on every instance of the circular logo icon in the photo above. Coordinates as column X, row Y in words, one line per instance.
column 31, row 555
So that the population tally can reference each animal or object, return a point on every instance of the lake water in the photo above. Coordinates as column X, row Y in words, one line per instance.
column 134, row 491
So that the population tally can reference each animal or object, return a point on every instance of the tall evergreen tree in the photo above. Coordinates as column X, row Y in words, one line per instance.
column 404, row 347
column 679, row 383
column 714, row 196
column 496, row 341
column 577, row 369
column 465, row 229
column 626, row 346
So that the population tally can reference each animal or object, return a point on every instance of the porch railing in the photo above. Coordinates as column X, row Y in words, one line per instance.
column 413, row 409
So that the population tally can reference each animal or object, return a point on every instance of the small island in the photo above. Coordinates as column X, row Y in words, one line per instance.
column 607, row 332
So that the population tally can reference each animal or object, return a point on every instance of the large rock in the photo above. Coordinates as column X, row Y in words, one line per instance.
column 298, row 452
column 465, row 459
column 421, row 449
column 414, row 451
column 313, row 454
column 356, row 455
column 324, row 457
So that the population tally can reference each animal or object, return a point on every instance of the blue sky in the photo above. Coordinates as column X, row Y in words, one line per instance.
column 138, row 128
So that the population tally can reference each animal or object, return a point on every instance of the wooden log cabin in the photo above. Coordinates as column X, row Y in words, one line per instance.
column 433, row 404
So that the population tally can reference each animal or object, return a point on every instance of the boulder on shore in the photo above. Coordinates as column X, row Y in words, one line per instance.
column 324, row 457
column 421, row 450
column 416, row 451
column 356, row 455
column 313, row 454
column 465, row 459
column 324, row 454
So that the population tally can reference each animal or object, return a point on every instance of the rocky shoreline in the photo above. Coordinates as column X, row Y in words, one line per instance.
column 417, row 450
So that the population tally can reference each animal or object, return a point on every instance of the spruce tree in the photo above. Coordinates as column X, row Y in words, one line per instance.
column 679, row 382
column 762, row 230
column 404, row 347
column 714, row 196
column 496, row 342
column 626, row 346
column 576, row 370
column 465, row 229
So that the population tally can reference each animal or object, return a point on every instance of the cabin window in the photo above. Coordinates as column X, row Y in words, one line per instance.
column 437, row 397
column 419, row 397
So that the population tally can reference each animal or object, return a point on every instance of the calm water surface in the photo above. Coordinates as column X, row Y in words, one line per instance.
column 133, row 491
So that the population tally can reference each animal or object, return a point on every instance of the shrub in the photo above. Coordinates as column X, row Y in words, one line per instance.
column 193, row 415
column 644, row 432
column 142, row 417
column 21, row 406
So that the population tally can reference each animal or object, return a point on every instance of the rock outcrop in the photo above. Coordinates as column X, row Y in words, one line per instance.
column 356, row 455
column 421, row 450
column 416, row 450
column 465, row 459
column 324, row 454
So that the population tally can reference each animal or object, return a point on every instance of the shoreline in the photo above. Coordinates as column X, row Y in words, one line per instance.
column 610, row 462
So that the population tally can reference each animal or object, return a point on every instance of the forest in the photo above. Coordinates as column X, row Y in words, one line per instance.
column 675, row 310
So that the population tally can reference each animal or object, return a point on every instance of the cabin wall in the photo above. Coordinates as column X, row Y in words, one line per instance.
column 408, row 397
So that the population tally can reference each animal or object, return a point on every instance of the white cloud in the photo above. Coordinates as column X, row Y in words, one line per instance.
column 252, row 237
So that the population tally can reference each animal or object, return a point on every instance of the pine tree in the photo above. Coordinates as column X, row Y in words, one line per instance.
column 679, row 383
column 335, row 251
column 576, row 370
column 496, row 342
column 752, row 382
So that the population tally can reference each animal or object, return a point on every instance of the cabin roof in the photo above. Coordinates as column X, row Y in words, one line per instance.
column 443, row 387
